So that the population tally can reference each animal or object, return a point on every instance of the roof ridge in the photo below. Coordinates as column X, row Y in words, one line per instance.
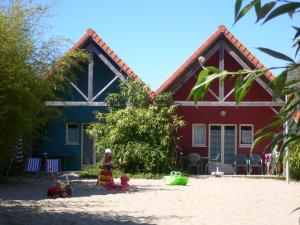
column 91, row 33
column 220, row 30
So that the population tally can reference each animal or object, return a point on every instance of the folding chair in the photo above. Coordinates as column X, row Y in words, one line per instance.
column 33, row 165
column 52, row 166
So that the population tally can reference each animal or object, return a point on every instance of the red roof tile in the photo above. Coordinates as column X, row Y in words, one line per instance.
column 90, row 33
column 222, row 30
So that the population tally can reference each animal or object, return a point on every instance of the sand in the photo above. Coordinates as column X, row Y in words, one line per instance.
column 226, row 200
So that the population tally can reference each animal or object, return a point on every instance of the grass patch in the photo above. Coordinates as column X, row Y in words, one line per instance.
column 92, row 172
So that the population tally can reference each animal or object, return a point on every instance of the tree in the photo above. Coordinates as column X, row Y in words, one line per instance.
column 139, row 131
column 25, row 80
column 284, row 86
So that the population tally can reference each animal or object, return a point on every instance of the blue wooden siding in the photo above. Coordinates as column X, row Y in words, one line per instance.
column 55, row 141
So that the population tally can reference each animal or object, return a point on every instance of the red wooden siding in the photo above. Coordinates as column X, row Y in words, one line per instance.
column 258, row 116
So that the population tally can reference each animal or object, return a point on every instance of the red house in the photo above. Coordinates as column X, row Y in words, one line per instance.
column 217, row 126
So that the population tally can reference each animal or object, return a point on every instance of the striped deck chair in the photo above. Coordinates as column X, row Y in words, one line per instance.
column 33, row 165
column 52, row 166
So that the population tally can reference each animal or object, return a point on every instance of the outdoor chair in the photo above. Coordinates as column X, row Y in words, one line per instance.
column 194, row 160
column 240, row 161
column 255, row 160
column 52, row 166
column 212, row 163
column 33, row 165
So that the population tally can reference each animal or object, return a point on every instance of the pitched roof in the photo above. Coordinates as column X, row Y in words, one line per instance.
column 90, row 33
column 222, row 30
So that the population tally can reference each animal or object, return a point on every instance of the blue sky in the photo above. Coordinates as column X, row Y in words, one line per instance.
column 154, row 37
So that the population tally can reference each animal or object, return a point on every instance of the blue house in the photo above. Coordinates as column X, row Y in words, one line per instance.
column 68, row 139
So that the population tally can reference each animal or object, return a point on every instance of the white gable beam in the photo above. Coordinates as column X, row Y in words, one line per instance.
column 90, row 74
column 107, row 63
column 212, row 103
column 214, row 94
column 69, row 103
column 191, row 72
column 245, row 66
column 232, row 90
column 274, row 110
column 103, row 89
column 78, row 90
column 221, row 67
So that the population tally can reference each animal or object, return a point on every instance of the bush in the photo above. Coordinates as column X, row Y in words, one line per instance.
column 140, row 135
column 89, row 172
column 294, row 162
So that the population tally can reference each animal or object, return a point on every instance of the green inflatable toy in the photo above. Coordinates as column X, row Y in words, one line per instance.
column 175, row 178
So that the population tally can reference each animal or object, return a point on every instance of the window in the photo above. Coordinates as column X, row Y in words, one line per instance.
column 246, row 135
column 72, row 134
column 199, row 135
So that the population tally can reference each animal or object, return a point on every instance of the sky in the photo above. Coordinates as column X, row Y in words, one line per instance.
column 154, row 37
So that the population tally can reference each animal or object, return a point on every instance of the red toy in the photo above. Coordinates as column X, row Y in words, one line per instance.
column 60, row 189
column 110, row 185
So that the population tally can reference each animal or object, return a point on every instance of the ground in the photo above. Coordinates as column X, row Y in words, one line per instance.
column 226, row 200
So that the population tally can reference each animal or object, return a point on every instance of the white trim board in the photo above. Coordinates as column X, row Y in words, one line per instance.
column 211, row 103
column 68, row 103
column 240, row 135
column 103, row 89
column 245, row 66
column 107, row 63
column 193, row 130
column 189, row 74
column 78, row 90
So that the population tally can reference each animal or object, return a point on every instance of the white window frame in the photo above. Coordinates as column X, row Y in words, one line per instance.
column 240, row 135
column 67, row 134
column 193, row 142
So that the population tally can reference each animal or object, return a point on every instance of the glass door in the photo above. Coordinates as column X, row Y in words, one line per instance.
column 229, row 150
column 215, row 147
column 87, row 151
column 222, row 148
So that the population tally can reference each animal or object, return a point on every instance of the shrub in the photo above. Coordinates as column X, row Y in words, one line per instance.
column 140, row 135
column 294, row 162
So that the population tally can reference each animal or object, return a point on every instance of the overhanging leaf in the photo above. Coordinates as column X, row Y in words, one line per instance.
column 286, row 8
column 265, row 10
column 271, row 126
column 237, row 87
column 275, row 54
column 238, row 4
column 244, row 11
column 258, row 10
column 262, row 138
column 279, row 84
column 297, row 32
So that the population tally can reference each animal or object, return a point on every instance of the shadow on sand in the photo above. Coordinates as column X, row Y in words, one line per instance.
column 32, row 215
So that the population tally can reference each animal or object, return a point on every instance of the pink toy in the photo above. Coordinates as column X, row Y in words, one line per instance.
column 110, row 185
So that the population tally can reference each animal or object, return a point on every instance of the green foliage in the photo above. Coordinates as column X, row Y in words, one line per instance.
column 92, row 172
column 89, row 172
column 285, row 84
column 25, row 60
column 294, row 161
column 141, row 135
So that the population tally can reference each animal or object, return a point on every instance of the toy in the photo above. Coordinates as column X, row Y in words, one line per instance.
column 175, row 178
column 61, row 189
column 110, row 184
column 105, row 169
